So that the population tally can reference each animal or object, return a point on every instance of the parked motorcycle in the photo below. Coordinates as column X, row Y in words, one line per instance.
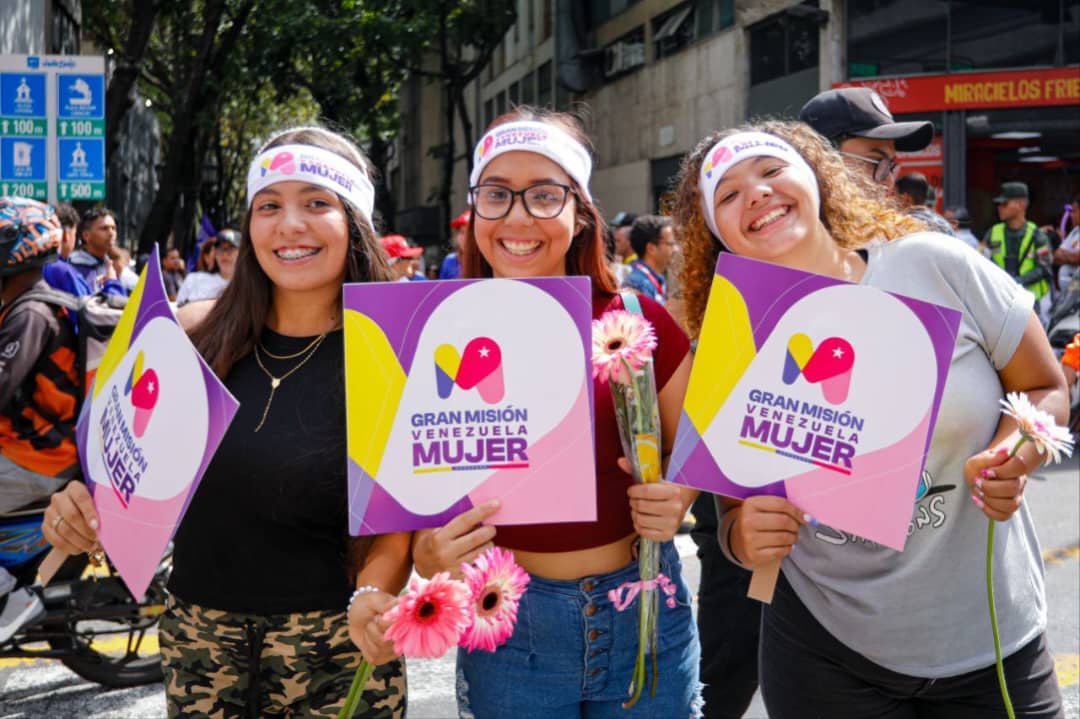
column 91, row 623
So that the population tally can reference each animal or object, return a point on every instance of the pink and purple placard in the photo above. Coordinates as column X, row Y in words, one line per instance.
column 462, row 391
column 149, row 427
column 814, row 389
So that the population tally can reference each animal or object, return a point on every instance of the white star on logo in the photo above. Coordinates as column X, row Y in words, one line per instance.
column 484, row 351
column 838, row 353
column 150, row 387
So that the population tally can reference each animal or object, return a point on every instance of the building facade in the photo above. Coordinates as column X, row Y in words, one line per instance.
column 650, row 78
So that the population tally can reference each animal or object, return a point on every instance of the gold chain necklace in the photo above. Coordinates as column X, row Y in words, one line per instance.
column 275, row 381
column 294, row 355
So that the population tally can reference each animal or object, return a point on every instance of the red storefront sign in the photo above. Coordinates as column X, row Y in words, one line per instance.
column 977, row 90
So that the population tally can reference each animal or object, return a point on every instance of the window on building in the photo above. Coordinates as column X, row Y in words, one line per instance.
column 515, row 94
column 712, row 16
column 517, row 24
column 672, row 30
column 543, row 85
column 547, row 22
column 499, row 57
column 783, row 44
column 489, row 112
column 500, row 103
column 527, row 92
column 625, row 54
column 897, row 37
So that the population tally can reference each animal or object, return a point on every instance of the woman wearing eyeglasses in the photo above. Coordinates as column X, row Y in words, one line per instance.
column 571, row 653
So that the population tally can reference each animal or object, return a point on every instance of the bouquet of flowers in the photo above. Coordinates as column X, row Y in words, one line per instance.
column 1042, row 430
column 622, row 344
column 437, row 614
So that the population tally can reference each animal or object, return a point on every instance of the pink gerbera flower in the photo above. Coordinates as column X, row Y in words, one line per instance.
column 1037, row 426
column 430, row 617
column 497, row 584
column 620, row 338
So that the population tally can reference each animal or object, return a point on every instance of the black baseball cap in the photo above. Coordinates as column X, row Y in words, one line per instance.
column 860, row 112
column 1011, row 191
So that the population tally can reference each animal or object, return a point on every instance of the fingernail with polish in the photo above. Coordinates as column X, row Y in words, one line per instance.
column 93, row 524
column 978, row 502
column 982, row 473
column 990, row 474
column 810, row 520
column 978, row 484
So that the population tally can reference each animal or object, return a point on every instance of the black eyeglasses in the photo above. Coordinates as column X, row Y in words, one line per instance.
column 543, row 201
column 883, row 167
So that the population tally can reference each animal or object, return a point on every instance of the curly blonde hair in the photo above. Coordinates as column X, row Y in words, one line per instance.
column 854, row 209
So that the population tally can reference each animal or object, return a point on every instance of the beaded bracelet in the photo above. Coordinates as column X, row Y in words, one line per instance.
column 360, row 590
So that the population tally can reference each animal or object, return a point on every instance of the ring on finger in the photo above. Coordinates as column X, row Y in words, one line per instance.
column 56, row 522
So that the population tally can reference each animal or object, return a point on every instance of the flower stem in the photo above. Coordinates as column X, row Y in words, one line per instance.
column 993, row 620
column 998, row 664
column 363, row 673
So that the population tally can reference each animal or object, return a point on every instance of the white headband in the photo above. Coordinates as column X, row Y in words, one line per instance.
column 306, row 163
column 538, row 137
column 734, row 149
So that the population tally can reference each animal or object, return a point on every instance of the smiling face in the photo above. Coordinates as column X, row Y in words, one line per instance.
column 519, row 245
column 300, row 236
column 766, row 210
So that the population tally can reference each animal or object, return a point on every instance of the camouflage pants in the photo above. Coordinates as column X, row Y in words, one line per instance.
column 223, row 665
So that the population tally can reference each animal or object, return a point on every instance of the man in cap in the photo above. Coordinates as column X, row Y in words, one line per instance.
column 858, row 123
column 451, row 264
column 401, row 254
column 1018, row 246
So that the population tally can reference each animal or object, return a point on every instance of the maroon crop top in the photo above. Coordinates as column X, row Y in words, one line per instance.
column 612, row 504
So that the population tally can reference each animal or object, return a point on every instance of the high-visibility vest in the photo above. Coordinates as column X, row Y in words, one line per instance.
column 1026, row 255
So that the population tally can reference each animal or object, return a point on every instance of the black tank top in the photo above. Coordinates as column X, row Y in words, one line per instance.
column 266, row 531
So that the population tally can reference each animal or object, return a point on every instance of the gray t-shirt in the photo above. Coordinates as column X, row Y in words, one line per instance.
column 923, row 612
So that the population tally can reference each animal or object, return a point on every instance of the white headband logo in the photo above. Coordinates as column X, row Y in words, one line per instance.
column 538, row 137
column 315, row 165
column 732, row 150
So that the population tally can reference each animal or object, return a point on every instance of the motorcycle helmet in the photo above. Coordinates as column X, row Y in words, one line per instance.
column 30, row 235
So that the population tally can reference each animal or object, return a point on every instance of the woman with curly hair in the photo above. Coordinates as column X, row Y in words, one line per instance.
column 856, row 629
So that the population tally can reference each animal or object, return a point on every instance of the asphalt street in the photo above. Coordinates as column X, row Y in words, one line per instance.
column 47, row 690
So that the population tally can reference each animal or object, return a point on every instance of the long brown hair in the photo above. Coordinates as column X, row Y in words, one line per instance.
column 853, row 210
column 586, row 255
column 232, row 327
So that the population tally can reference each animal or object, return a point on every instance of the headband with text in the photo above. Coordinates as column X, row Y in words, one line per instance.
column 734, row 149
column 538, row 137
column 306, row 163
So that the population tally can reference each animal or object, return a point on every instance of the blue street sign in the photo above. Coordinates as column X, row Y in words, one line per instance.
column 22, row 94
column 22, row 158
column 81, row 159
column 80, row 96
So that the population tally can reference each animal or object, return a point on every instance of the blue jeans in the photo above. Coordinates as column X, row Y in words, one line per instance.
column 572, row 655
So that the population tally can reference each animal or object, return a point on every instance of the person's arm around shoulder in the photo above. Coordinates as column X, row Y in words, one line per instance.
column 383, row 573
column 998, row 482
